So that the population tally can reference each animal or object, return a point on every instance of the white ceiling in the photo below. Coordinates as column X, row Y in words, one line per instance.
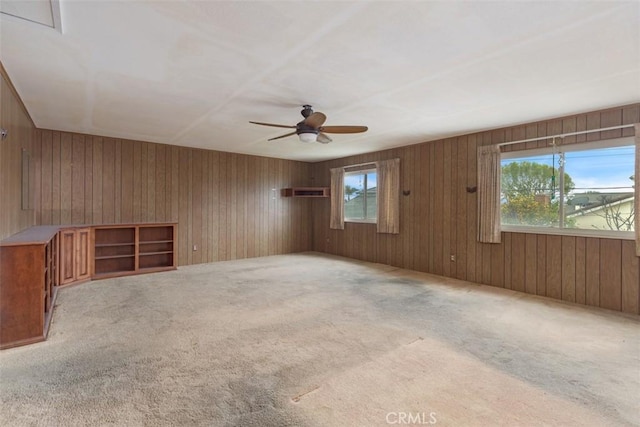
column 194, row 73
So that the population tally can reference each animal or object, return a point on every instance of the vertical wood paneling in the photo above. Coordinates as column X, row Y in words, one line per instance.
column 630, row 278
column 46, row 186
column 184, row 201
column 196, row 213
column 438, row 214
column 77, row 179
column 144, row 183
column 117, row 184
column 88, row 180
column 160, row 190
column 592, row 272
column 151, row 182
column 108, row 181
column 66, row 178
column 21, row 136
column 531, row 264
column 472, row 208
column 541, row 264
column 407, row 176
column 568, row 247
column 554, row 267
column 497, row 265
column 611, row 274
column 580, row 278
column 508, row 254
column 56, row 210
column 214, row 226
column 36, row 174
column 446, row 208
column 223, row 202
column 461, row 209
column 127, row 198
column 518, row 260
column 98, row 174
column 137, row 182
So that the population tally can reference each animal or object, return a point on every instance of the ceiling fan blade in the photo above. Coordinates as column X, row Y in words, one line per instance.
column 282, row 136
column 343, row 129
column 315, row 120
column 323, row 138
column 273, row 125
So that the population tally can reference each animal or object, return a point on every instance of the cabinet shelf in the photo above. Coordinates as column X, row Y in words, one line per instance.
column 155, row 253
column 305, row 192
column 114, row 256
column 126, row 249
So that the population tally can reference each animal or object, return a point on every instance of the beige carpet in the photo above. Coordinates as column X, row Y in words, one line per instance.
column 313, row 340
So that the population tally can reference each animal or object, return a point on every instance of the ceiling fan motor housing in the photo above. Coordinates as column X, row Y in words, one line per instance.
column 307, row 111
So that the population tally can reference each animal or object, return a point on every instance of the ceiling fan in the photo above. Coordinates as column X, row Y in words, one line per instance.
column 311, row 130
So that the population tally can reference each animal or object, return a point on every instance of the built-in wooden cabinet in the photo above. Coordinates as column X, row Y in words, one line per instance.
column 74, row 255
column 36, row 261
column 305, row 192
column 120, row 250
column 155, row 247
column 28, row 285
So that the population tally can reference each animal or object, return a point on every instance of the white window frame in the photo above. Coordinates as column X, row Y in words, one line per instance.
column 362, row 220
column 593, row 145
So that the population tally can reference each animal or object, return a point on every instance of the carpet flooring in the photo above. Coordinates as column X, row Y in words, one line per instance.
column 315, row 340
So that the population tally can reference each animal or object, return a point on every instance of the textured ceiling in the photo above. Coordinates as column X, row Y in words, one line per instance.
column 195, row 73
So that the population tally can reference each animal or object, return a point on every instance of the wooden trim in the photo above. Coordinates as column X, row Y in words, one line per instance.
column 5, row 75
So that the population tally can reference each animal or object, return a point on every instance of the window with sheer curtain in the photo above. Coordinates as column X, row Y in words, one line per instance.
column 367, row 193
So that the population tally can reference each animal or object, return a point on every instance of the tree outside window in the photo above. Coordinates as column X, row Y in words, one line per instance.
column 577, row 188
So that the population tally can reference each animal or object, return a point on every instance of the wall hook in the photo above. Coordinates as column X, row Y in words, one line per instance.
column 3, row 134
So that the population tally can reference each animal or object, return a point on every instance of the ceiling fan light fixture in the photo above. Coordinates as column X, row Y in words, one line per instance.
column 308, row 137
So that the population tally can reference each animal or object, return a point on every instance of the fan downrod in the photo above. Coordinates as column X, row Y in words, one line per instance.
column 308, row 110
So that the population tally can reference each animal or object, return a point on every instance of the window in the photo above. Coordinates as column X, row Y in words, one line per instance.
column 585, row 188
column 360, row 196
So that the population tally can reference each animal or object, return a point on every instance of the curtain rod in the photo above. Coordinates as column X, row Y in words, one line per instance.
column 357, row 165
column 562, row 135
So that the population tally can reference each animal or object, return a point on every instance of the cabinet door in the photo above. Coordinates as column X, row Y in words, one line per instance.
column 74, row 255
column 67, row 256
column 82, row 262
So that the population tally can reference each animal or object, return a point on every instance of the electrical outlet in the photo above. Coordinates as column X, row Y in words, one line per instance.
column 195, row 247
column 453, row 258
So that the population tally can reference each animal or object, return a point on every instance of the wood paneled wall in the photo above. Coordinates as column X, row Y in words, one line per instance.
column 439, row 219
column 224, row 203
column 15, row 119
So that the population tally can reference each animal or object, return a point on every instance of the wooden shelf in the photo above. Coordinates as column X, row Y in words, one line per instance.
column 131, row 248
column 305, row 192
column 114, row 256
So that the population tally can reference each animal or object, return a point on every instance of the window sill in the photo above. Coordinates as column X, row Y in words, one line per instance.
column 603, row 234
column 361, row 221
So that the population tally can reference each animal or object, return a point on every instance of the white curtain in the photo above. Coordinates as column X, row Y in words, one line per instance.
column 489, row 194
column 337, row 199
column 637, row 190
column 388, row 212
